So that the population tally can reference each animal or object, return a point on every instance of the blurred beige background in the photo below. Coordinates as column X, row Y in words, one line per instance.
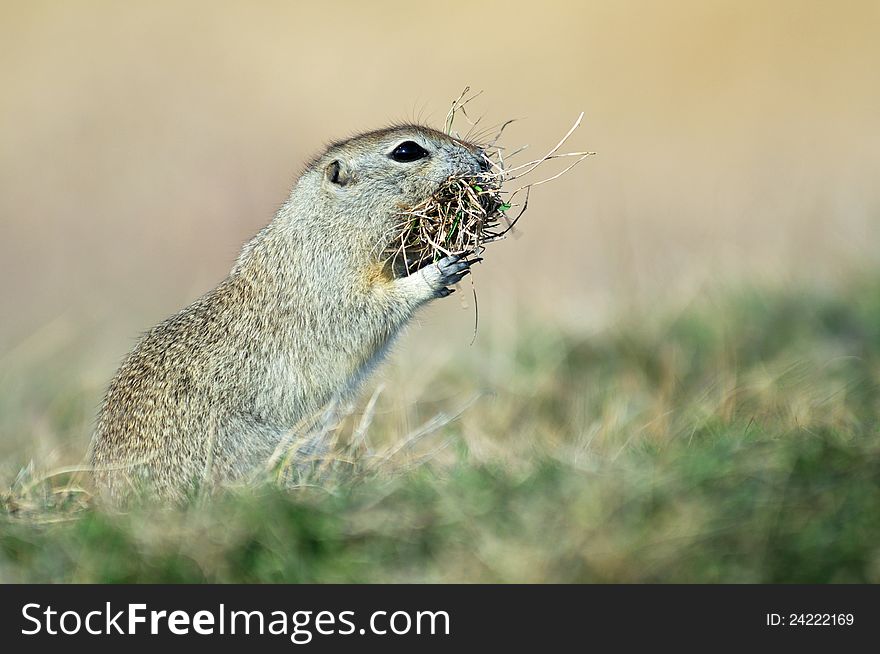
column 142, row 143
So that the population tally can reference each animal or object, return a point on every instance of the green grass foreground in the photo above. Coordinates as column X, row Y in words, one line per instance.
column 734, row 442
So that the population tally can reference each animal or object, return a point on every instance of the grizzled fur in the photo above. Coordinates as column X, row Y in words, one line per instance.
column 306, row 312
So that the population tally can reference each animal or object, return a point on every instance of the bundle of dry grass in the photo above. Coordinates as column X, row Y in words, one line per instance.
column 466, row 213
column 463, row 215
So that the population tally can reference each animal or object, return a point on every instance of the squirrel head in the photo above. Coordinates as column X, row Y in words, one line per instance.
column 368, row 180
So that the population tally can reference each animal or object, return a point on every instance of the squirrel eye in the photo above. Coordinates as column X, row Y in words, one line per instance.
column 408, row 151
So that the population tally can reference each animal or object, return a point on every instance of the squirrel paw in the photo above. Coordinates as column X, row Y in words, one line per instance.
column 448, row 271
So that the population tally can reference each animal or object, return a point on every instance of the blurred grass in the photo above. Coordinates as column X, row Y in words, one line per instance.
column 736, row 441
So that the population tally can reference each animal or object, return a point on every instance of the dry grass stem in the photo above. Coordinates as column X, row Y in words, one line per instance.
column 468, row 212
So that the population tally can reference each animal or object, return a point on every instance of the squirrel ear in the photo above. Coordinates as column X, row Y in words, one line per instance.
column 337, row 173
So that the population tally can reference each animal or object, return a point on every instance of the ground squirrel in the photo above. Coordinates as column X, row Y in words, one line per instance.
column 307, row 311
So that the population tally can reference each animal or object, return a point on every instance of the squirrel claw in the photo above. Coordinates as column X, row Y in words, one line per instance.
column 446, row 272
column 453, row 269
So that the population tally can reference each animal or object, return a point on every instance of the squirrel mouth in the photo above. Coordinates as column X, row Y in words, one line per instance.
column 465, row 213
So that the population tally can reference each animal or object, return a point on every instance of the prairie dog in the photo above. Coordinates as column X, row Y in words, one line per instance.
column 306, row 313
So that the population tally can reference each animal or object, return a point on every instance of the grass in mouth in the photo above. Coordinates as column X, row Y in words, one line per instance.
column 468, row 212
